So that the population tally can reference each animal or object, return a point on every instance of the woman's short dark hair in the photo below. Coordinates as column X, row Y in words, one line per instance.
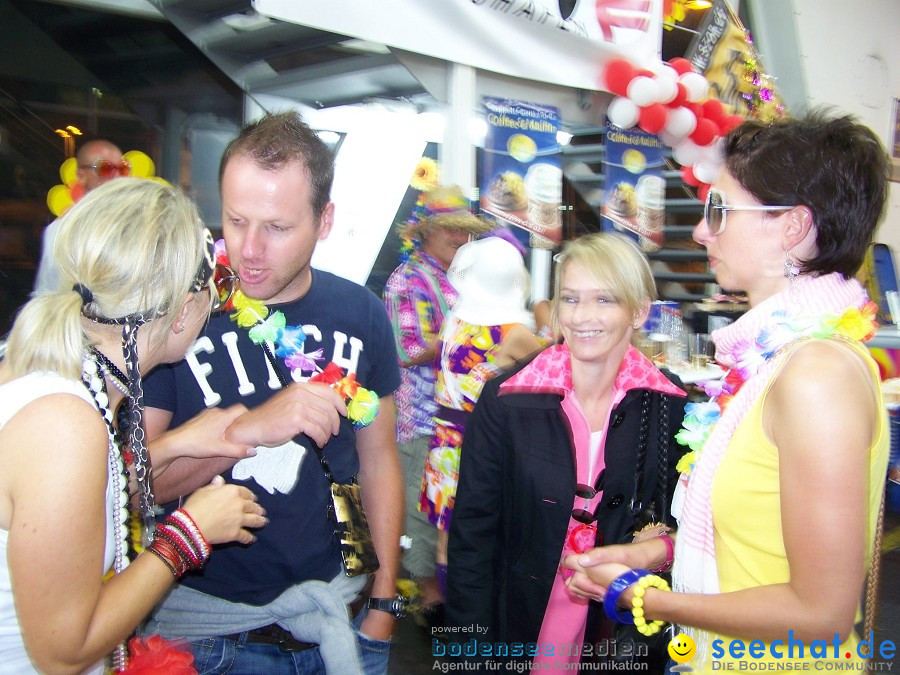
column 833, row 165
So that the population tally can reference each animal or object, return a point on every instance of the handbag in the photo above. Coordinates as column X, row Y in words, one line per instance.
column 620, row 643
column 351, row 528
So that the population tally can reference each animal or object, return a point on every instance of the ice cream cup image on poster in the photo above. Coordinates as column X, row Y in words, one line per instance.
column 620, row 204
column 543, row 182
column 507, row 191
column 650, row 195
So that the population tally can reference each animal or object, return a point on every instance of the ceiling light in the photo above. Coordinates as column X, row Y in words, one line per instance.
column 251, row 20
column 365, row 46
column 328, row 137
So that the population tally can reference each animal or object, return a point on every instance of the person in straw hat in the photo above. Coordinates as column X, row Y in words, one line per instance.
column 418, row 295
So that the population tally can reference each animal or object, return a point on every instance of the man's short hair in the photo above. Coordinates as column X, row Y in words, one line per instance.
column 278, row 139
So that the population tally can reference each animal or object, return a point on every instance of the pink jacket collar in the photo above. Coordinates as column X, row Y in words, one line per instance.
column 551, row 373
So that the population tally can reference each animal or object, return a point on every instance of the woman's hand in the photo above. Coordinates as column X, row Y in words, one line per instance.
column 223, row 512
column 592, row 581
column 201, row 437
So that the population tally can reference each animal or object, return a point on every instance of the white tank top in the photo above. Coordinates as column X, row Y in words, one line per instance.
column 13, row 397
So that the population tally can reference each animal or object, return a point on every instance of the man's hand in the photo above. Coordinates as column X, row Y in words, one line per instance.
column 301, row 408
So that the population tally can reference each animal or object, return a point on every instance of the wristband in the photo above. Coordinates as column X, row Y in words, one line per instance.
column 670, row 554
column 179, row 543
column 396, row 605
column 615, row 590
column 643, row 626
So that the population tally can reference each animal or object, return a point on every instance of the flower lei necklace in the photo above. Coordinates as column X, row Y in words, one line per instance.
column 263, row 328
column 856, row 323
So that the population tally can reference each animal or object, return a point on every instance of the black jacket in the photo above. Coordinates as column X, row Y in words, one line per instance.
column 515, row 495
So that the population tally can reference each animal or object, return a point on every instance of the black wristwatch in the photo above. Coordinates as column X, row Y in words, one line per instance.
column 396, row 605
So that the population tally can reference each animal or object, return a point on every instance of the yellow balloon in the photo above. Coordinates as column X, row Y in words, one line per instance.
column 160, row 179
column 141, row 165
column 68, row 171
column 59, row 199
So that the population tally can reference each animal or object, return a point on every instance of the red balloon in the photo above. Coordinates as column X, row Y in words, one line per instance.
column 617, row 73
column 730, row 122
column 646, row 73
column 652, row 118
column 705, row 133
column 695, row 108
column 687, row 175
column 681, row 65
column 680, row 96
column 702, row 191
column 713, row 110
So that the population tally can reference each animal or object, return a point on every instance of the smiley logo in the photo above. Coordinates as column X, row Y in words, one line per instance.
column 682, row 648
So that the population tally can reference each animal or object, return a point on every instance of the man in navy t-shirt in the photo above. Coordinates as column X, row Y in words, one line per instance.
column 260, row 605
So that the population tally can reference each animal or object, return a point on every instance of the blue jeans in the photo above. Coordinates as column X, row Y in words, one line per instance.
column 215, row 656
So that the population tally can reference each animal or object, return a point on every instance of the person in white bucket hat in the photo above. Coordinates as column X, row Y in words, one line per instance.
column 484, row 334
column 492, row 282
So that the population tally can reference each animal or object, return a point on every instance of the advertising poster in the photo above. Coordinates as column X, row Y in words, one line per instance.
column 635, row 196
column 521, row 175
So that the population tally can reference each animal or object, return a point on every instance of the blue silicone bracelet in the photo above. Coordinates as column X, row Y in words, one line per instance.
column 611, row 600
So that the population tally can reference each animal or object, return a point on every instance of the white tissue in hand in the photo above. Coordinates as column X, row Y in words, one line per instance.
column 273, row 468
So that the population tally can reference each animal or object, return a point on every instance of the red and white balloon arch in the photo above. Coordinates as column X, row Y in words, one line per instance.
column 671, row 100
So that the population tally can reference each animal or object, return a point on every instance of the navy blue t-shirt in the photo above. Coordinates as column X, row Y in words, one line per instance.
column 348, row 323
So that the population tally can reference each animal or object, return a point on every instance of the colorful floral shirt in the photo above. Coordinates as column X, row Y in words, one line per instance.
column 467, row 362
column 417, row 296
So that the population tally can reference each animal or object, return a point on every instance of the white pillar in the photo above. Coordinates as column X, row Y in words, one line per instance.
column 458, row 152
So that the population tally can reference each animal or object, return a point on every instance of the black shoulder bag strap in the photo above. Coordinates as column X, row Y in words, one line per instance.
column 658, row 509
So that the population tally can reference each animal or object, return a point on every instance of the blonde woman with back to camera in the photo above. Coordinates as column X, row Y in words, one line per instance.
column 136, row 288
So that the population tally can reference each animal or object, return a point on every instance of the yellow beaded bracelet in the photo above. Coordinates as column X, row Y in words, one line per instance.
column 643, row 626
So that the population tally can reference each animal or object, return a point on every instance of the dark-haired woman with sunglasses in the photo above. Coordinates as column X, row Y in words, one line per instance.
column 778, row 506
column 574, row 449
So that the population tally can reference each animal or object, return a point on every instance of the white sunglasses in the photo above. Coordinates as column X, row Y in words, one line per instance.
column 715, row 207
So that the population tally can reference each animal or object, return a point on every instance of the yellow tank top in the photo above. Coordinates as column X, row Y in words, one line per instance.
column 746, row 506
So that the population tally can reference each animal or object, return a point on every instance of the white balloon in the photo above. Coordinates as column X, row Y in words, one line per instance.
column 707, row 172
column 696, row 85
column 715, row 151
column 622, row 112
column 643, row 90
column 664, row 71
column 687, row 152
column 669, row 139
column 681, row 122
column 668, row 89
